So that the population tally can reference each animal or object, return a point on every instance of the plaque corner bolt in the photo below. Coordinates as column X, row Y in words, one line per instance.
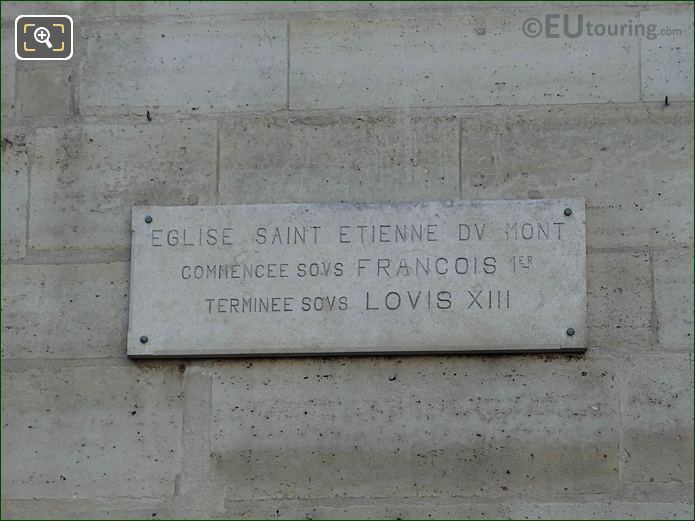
column 143, row 339
column 570, row 331
column 568, row 211
column 148, row 218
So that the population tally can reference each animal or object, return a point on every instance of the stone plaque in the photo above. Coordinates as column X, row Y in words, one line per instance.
column 299, row 279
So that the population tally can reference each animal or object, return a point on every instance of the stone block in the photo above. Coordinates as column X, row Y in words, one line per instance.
column 9, row 74
column 95, row 508
column 657, row 411
column 418, row 426
column 45, row 91
column 175, row 8
column 65, row 311
column 658, row 492
column 275, row 9
column 15, row 194
column 324, row 290
column 196, row 429
column 632, row 164
column 667, row 54
column 445, row 60
column 367, row 508
column 86, row 178
column 602, row 510
column 185, row 66
column 79, row 10
column 619, row 297
column 673, row 295
column 333, row 158
column 94, row 431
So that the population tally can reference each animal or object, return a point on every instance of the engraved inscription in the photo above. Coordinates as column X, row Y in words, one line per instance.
column 302, row 279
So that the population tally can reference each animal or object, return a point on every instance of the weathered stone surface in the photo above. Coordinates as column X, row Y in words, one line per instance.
column 343, row 278
column 275, row 9
column 362, row 508
column 632, row 164
column 8, row 70
column 667, row 60
column 658, row 491
column 268, row 9
column 79, row 10
column 673, row 296
column 98, row 508
column 502, row 426
column 242, row 66
column 602, row 510
column 196, row 433
column 333, row 157
column 46, row 91
column 657, row 414
column 367, row 508
column 64, row 311
column 85, row 178
column 100, row 431
column 15, row 194
column 621, row 226
column 106, row 512
column 481, row 59
column 386, row 442
column 619, row 297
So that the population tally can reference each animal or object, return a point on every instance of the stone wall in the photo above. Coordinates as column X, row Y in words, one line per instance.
column 176, row 103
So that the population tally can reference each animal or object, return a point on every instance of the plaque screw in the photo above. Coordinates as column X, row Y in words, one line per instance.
column 568, row 211
column 143, row 339
column 148, row 218
column 570, row 332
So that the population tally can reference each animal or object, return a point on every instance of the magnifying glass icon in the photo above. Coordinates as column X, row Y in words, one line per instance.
column 42, row 35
